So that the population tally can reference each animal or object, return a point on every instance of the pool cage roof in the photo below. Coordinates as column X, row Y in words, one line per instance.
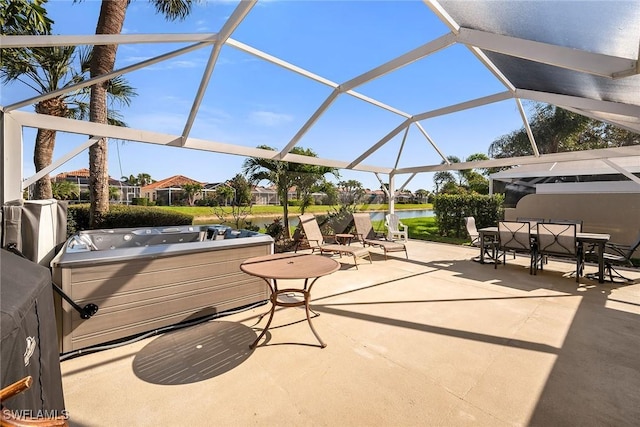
column 579, row 55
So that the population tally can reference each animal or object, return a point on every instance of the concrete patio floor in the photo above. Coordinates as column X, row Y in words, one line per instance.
column 433, row 340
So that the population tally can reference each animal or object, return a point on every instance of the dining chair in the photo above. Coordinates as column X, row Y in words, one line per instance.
column 532, row 221
column 559, row 239
column 515, row 236
column 474, row 235
column 616, row 254
column 577, row 222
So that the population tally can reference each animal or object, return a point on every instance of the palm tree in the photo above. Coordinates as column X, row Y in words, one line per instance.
column 351, row 192
column 191, row 190
column 65, row 190
column 285, row 175
column 110, row 21
column 224, row 193
column 422, row 195
column 144, row 179
column 46, row 69
column 129, row 180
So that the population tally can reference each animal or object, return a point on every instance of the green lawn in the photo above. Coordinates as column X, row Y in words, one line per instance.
column 426, row 229
column 262, row 210
column 419, row 228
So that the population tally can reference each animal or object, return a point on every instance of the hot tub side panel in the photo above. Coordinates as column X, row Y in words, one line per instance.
column 140, row 295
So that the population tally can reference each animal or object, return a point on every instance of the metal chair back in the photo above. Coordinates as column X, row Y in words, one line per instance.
column 557, row 239
column 514, row 235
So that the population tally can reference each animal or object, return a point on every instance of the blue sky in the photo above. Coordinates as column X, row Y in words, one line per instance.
column 251, row 102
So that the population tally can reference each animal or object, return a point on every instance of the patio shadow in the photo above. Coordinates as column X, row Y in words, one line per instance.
column 194, row 354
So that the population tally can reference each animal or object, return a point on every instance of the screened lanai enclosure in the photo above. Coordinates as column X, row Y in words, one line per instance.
column 383, row 89
column 369, row 107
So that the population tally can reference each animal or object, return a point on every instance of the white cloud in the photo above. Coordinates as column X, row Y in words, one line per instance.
column 269, row 118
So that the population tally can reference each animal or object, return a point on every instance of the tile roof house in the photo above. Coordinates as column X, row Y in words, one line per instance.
column 168, row 191
column 81, row 177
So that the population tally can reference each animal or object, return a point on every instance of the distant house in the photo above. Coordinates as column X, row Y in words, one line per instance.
column 81, row 177
column 264, row 196
column 374, row 196
column 168, row 191
column 405, row 197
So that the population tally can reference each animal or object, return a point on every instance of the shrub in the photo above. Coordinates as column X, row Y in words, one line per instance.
column 121, row 216
column 450, row 210
column 276, row 229
column 140, row 201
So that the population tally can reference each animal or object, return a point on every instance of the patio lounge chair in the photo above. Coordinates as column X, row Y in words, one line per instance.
column 316, row 241
column 395, row 228
column 365, row 233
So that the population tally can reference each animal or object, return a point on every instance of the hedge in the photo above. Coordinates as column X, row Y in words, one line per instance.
column 121, row 216
column 451, row 209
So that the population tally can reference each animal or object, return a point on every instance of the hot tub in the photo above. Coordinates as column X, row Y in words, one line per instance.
column 147, row 278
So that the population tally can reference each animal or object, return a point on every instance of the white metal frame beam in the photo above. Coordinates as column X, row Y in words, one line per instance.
column 80, row 127
column 557, row 56
column 104, row 77
column 102, row 39
column 604, row 153
column 525, row 122
column 632, row 111
column 238, row 15
column 59, row 162
column 347, row 87
column 632, row 125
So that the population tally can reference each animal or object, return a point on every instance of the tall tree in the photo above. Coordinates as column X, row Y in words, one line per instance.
column 144, row 179
column 224, row 193
column 351, row 192
column 285, row 175
column 442, row 178
column 110, row 21
column 422, row 195
column 557, row 130
column 241, row 205
column 65, row 190
column 46, row 69
column 129, row 180
column 24, row 17
column 191, row 190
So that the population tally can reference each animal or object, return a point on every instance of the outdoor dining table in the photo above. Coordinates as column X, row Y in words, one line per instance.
column 598, row 239
column 273, row 267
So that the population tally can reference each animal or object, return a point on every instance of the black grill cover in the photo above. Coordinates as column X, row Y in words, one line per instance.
column 29, row 335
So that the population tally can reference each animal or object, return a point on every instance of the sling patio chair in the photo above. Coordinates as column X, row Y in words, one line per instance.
column 559, row 239
column 474, row 235
column 317, row 242
column 368, row 237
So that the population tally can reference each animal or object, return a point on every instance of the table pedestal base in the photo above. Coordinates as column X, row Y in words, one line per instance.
column 275, row 303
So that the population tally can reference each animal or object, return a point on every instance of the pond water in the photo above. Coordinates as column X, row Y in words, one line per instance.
column 418, row 213
column 262, row 222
